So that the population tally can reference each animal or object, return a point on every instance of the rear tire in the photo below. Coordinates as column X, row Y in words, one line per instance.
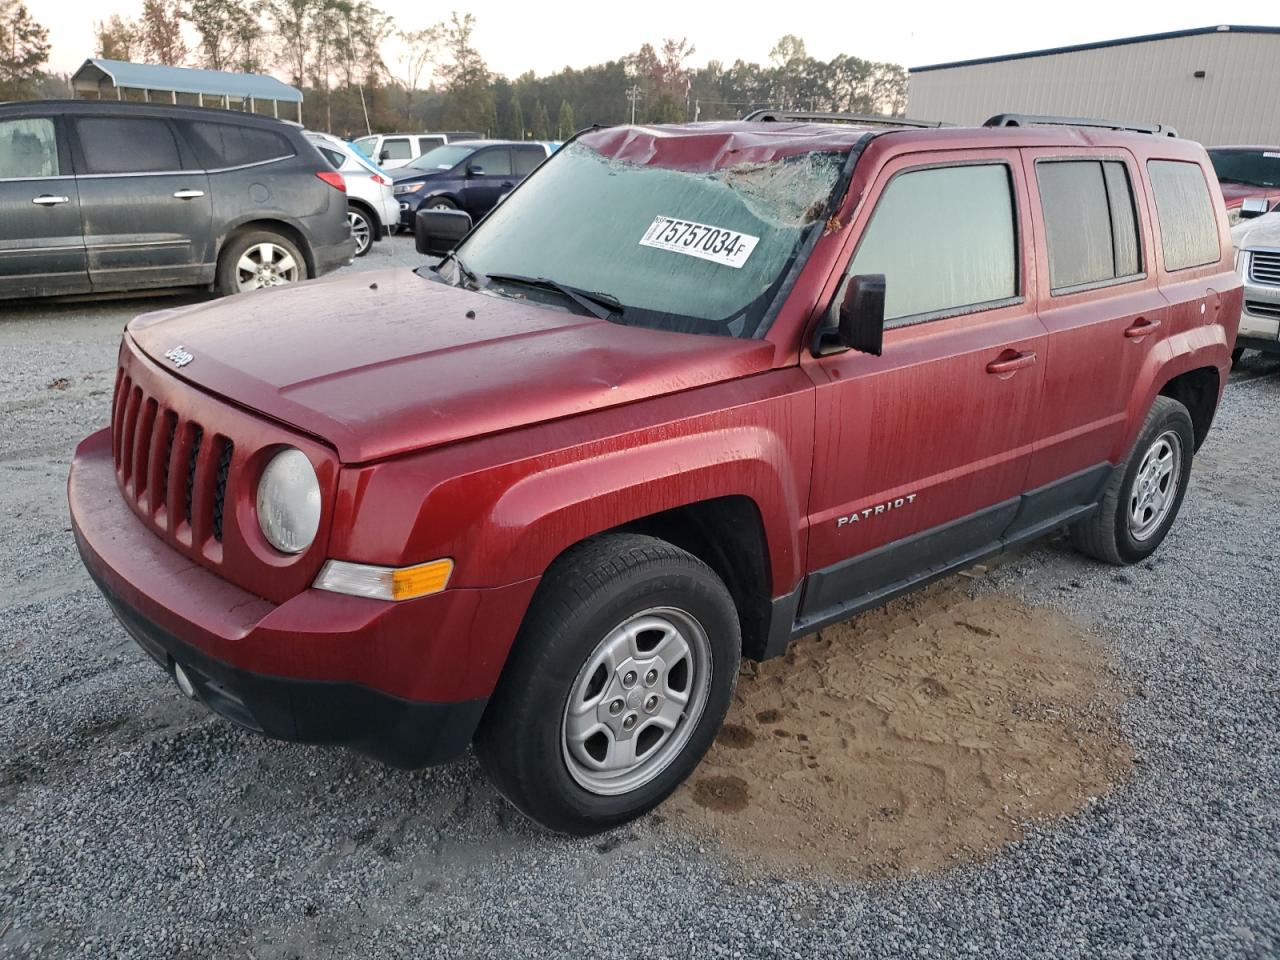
column 620, row 677
column 257, row 260
column 1144, row 494
column 362, row 228
column 1236, row 354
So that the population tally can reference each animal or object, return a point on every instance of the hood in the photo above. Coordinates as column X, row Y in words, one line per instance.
column 386, row 362
column 1234, row 194
column 407, row 174
column 1263, row 231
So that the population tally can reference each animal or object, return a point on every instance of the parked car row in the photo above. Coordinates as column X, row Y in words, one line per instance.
column 393, row 150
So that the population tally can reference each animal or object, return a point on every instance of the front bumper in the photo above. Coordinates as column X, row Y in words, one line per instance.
column 397, row 681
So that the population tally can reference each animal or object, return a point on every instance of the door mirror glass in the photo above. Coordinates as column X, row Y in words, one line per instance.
column 436, row 232
column 475, row 170
column 1253, row 207
column 860, row 315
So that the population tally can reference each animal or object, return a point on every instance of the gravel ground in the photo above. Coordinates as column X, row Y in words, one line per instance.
column 134, row 824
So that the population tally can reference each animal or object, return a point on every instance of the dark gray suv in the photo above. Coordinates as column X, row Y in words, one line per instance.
column 97, row 196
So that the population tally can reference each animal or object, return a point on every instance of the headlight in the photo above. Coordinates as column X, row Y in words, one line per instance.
column 289, row 501
column 409, row 187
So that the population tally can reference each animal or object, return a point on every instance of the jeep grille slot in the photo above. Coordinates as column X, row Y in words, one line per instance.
column 1264, row 267
column 193, row 461
column 1261, row 308
column 220, row 486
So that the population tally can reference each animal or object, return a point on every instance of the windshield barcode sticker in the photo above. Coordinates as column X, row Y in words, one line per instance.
column 701, row 240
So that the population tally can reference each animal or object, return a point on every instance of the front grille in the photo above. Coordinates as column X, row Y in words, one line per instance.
column 1260, row 308
column 168, row 466
column 1264, row 267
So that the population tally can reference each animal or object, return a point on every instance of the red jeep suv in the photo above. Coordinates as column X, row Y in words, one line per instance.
column 688, row 393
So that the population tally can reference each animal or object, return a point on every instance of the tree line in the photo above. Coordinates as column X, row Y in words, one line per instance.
column 359, row 72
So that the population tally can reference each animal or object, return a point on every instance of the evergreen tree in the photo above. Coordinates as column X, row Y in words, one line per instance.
column 541, row 122
column 564, row 126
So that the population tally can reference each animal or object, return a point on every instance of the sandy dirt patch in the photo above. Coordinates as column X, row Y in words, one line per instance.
column 916, row 737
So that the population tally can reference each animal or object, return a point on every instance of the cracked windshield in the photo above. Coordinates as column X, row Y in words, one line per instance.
column 686, row 251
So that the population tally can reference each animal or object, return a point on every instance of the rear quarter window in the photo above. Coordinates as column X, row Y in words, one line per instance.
column 233, row 145
column 1090, row 225
column 1188, row 228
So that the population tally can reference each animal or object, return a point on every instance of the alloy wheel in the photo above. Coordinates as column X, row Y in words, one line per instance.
column 1155, row 485
column 266, row 264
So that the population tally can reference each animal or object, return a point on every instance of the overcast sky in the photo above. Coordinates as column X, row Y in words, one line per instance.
column 548, row 35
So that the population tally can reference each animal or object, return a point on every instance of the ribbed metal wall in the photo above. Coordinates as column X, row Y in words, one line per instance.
column 1238, row 101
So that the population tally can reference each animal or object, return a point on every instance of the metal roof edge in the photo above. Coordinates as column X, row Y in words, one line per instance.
column 1097, row 45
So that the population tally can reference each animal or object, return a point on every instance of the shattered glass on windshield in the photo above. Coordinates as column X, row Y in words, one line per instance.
column 592, row 222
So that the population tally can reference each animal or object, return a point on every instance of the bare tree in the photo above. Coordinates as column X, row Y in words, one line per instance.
column 229, row 33
column 419, row 49
column 291, row 22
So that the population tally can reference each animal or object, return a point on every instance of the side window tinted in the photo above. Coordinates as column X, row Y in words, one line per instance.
column 496, row 163
column 1089, row 219
column 127, row 145
column 526, row 159
column 231, row 145
column 1188, row 229
column 944, row 239
column 28, row 148
column 429, row 143
column 396, row 148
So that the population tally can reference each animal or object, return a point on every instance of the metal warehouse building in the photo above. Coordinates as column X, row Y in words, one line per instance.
column 1217, row 85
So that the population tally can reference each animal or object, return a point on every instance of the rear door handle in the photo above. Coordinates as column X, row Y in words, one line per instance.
column 189, row 194
column 1141, row 327
column 1013, row 364
column 49, row 201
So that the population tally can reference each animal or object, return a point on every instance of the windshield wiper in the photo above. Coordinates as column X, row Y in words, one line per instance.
column 600, row 305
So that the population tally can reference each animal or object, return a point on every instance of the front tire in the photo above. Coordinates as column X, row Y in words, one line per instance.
column 618, row 681
column 1144, row 494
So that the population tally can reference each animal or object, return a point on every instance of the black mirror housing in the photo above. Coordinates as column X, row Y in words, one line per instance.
column 436, row 232
column 474, row 170
column 860, row 314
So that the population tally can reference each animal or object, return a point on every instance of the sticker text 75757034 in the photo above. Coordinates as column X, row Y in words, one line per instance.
column 728, row 247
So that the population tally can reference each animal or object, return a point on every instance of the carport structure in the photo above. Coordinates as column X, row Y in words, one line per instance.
column 100, row 79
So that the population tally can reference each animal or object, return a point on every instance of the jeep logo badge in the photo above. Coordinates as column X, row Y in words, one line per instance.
column 179, row 356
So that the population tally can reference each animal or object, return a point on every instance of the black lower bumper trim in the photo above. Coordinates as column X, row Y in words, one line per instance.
column 398, row 732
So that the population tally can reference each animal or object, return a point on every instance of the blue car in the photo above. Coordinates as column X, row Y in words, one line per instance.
column 472, row 175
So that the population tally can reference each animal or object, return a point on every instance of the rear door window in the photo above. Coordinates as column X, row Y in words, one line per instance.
column 232, row 145
column 944, row 238
column 1090, row 224
column 526, row 159
column 28, row 149
column 1188, row 228
column 127, row 145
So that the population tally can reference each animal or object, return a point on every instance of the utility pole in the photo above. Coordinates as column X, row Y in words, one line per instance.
column 633, row 95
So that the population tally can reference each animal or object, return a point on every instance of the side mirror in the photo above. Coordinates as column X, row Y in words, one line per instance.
column 1253, row 207
column 475, row 170
column 436, row 232
column 857, row 318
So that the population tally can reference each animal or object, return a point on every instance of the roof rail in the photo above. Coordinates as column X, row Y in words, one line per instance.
column 856, row 118
column 1032, row 119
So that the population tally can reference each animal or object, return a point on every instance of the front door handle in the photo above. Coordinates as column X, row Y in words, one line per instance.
column 1141, row 327
column 189, row 194
column 1010, row 363
column 47, row 200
